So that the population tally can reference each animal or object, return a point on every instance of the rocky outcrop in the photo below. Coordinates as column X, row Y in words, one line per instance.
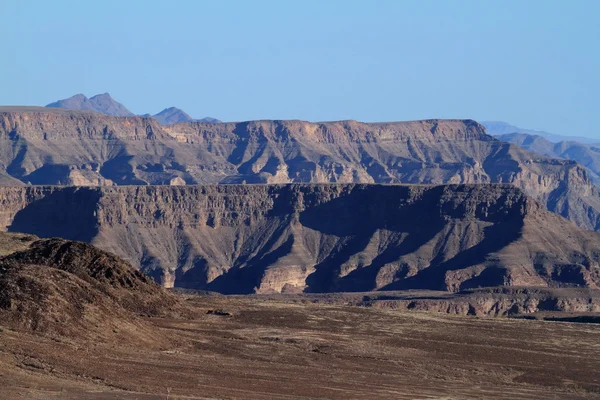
column 69, row 288
column 492, row 302
column 317, row 238
column 52, row 146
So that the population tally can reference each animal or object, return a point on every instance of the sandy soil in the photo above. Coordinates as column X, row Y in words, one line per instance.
column 279, row 349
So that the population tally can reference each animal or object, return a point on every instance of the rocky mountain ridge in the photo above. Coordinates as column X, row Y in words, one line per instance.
column 105, row 104
column 499, row 128
column 101, row 103
column 174, row 115
column 588, row 155
column 317, row 238
column 51, row 146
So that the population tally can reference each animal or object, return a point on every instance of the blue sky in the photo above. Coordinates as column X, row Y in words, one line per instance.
column 535, row 64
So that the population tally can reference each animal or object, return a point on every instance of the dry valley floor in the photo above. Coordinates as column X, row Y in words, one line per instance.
column 258, row 347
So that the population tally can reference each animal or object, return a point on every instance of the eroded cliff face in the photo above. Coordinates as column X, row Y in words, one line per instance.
column 317, row 238
column 50, row 146
column 491, row 302
column 58, row 147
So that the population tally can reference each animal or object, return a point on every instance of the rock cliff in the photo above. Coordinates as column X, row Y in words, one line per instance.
column 52, row 146
column 544, row 303
column 588, row 155
column 317, row 238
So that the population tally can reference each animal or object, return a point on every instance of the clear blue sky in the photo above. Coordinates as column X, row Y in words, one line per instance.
column 535, row 64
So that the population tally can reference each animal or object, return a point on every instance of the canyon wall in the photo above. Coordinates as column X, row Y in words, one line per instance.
column 58, row 147
column 317, row 238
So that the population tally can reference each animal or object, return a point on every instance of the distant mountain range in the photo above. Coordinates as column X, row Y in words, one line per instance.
column 585, row 154
column 174, row 115
column 101, row 103
column 105, row 104
column 497, row 128
column 586, row 151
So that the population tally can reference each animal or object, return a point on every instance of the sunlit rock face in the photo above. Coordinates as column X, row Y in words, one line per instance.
column 317, row 238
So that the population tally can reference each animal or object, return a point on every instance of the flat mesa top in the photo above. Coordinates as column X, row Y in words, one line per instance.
column 51, row 110
column 9, row 109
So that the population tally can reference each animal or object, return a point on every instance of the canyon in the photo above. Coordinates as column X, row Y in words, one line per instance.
column 77, row 322
column 342, row 246
column 49, row 146
column 317, row 238
column 350, row 227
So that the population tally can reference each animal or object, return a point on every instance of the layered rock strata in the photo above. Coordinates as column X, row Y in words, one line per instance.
column 317, row 238
column 51, row 146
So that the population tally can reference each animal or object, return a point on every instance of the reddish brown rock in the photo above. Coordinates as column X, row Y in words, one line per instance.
column 318, row 238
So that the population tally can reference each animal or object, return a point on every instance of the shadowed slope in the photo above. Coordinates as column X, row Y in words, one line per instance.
column 322, row 238
column 52, row 146
column 71, row 288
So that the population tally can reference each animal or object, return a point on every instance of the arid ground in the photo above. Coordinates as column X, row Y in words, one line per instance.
column 257, row 347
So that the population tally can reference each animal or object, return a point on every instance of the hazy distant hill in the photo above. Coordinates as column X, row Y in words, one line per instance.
column 174, row 115
column 209, row 120
column 105, row 104
column 497, row 128
column 585, row 154
column 101, row 103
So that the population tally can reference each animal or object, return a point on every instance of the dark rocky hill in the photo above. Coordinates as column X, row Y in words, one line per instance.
column 318, row 238
column 56, row 286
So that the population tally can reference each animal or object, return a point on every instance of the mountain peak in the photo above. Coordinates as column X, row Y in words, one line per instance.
column 172, row 115
column 102, row 103
column 101, row 96
column 209, row 120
